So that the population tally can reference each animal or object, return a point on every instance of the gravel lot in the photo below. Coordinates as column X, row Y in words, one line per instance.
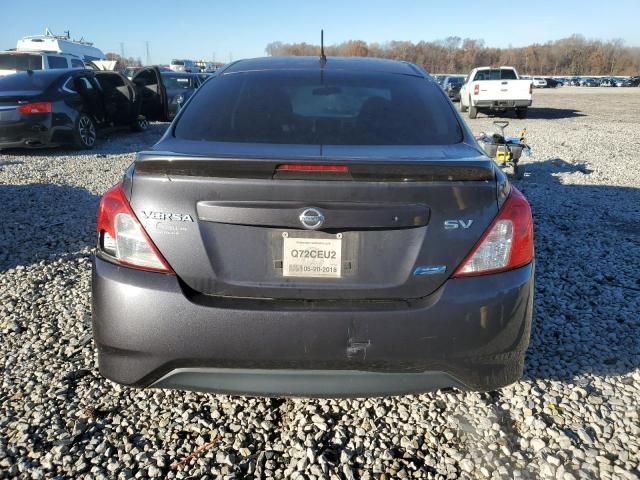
column 574, row 415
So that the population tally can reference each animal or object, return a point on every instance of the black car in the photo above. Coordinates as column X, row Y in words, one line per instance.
column 554, row 82
column 590, row 82
column 629, row 82
column 451, row 84
column 55, row 107
column 165, row 91
column 179, row 88
column 314, row 226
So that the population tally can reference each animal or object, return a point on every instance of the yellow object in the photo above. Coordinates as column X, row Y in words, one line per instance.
column 503, row 155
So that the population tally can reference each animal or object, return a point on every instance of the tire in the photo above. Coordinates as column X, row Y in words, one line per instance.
column 140, row 124
column 522, row 112
column 84, row 134
column 473, row 111
column 462, row 107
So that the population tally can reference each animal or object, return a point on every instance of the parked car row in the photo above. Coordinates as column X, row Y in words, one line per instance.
column 601, row 82
column 40, row 108
column 185, row 65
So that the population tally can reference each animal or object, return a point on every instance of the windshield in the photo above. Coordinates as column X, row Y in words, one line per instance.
column 177, row 62
column 496, row 74
column 20, row 62
column 303, row 107
column 177, row 83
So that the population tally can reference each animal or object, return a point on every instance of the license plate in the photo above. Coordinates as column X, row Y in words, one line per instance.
column 312, row 257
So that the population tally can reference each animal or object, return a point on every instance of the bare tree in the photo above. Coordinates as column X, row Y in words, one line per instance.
column 574, row 55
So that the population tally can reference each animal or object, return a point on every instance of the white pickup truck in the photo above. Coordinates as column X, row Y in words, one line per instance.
column 498, row 89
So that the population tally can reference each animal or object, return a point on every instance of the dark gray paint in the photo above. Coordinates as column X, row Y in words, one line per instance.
column 229, row 310
column 474, row 329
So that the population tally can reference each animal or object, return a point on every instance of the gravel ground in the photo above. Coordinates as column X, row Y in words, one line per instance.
column 574, row 415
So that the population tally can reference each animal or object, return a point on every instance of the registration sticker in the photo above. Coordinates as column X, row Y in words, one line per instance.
column 312, row 257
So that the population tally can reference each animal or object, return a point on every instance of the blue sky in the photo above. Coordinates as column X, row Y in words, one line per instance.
column 240, row 29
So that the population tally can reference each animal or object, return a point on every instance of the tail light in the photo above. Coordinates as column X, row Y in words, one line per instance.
column 506, row 244
column 476, row 89
column 530, row 88
column 122, row 238
column 312, row 167
column 36, row 107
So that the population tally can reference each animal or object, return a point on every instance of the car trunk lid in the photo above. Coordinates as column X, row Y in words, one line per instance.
column 228, row 222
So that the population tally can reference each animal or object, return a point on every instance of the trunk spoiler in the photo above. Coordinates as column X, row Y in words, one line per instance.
column 373, row 170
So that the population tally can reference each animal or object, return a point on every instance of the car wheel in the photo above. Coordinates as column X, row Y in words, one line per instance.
column 462, row 107
column 141, row 124
column 473, row 111
column 85, row 132
column 522, row 112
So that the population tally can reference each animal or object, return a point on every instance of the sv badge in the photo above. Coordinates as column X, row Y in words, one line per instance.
column 453, row 224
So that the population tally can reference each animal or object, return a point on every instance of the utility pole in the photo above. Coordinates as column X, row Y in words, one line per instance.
column 230, row 57
column 148, row 54
column 122, row 50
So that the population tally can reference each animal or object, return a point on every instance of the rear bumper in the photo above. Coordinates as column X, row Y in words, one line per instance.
column 502, row 104
column 470, row 334
column 30, row 133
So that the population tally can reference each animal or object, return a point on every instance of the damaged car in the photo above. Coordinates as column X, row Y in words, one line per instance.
column 314, row 227
column 68, row 106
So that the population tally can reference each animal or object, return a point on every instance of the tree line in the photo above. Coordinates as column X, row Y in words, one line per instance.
column 124, row 61
column 575, row 55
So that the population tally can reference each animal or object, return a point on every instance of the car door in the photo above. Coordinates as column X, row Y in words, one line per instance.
column 120, row 97
column 90, row 95
column 152, row 92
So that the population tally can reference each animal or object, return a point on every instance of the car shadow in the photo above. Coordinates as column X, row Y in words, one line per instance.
column 587, row 295
column 113, row 141
column 541, row 113
column 544, row 113
column 29, row 232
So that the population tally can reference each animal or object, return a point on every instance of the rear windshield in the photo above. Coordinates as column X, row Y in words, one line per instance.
column 456, row 80
column 178, row 83
column 20, row 62
column 26, row 82
column 177, row 62
column 496, row 74
column 333, row 108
